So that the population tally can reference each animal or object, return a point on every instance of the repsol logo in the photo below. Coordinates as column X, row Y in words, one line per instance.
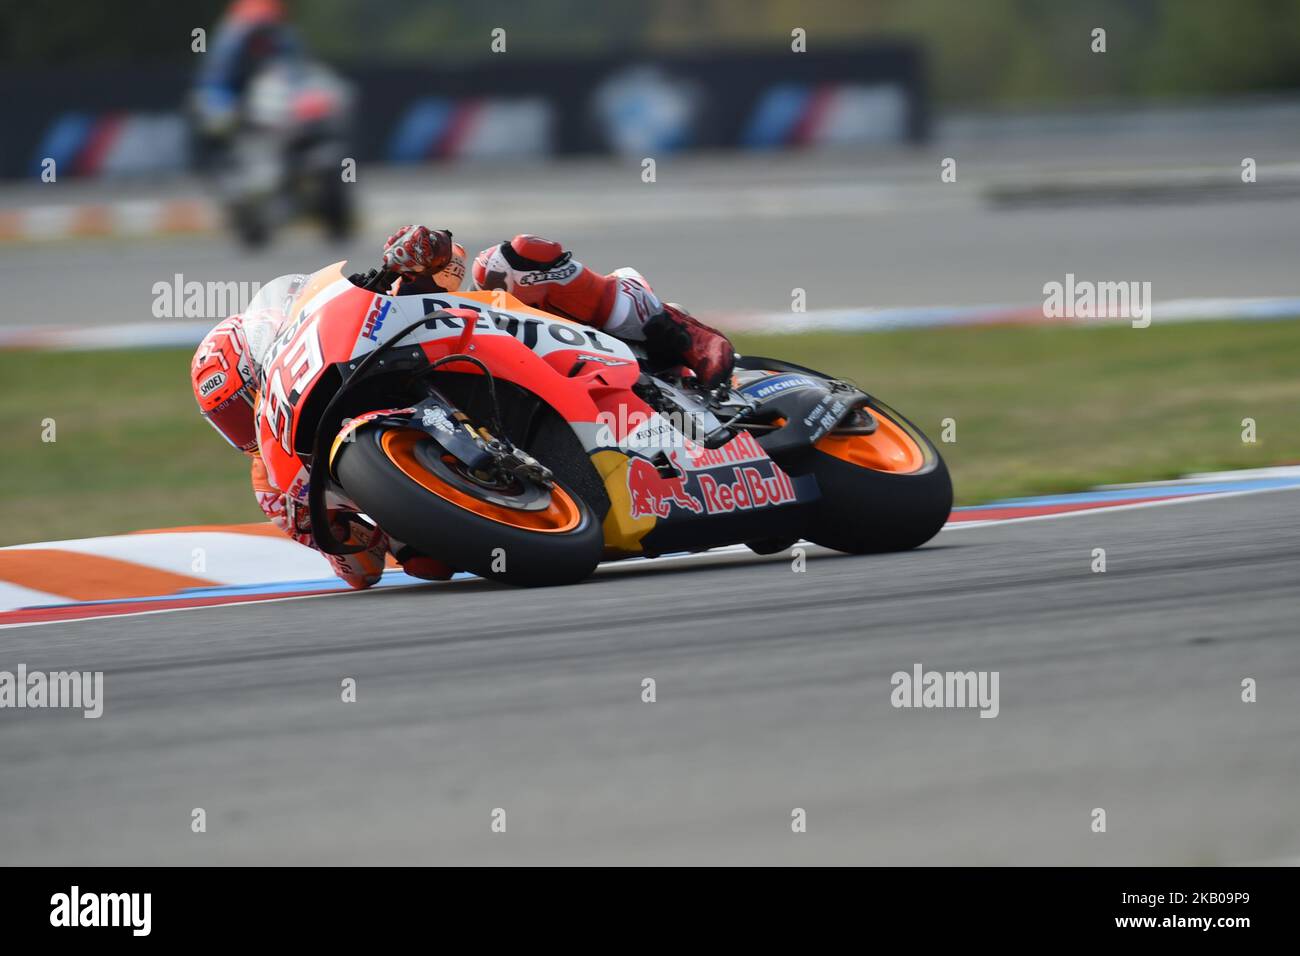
column 527, row 330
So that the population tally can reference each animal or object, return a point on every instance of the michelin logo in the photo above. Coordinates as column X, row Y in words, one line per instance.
column 776, row 384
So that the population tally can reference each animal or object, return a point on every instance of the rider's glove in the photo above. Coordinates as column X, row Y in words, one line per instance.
column 359, row 570
column 362, row 568
column 418, row 251
column 285, row 514
column 674, row 335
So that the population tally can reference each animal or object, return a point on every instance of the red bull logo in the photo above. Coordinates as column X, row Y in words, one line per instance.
column 751, row 489
column 653, row 495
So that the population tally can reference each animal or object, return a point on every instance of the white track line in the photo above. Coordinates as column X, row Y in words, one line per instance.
column 1132, row 506
column 205, row 607
column 1208, row 477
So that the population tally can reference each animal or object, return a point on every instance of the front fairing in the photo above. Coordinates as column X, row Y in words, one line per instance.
column 319, row 318
column 330, row 323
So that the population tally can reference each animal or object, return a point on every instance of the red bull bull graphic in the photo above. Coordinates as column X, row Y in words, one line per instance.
column 653, row 495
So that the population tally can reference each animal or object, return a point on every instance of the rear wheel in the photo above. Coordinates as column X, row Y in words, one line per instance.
column 336, row 208
column 771, row 545
column 508, row 529
column 251, row 224
column 884, row 491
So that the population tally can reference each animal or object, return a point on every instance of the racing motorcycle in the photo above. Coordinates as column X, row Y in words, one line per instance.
column 286, row 155
column 526, row 448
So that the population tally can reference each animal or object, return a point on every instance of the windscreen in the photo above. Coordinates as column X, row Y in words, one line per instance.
column 267, row 309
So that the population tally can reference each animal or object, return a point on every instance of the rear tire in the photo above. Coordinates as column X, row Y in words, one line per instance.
column 771, row 545
column 250, row 224
column 452, row 533
column 336, row 209
column 863, row 510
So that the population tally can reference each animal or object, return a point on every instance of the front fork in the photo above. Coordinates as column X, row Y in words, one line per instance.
column 482, row 452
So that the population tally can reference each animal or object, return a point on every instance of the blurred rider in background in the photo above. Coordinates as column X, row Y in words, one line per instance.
column 251, row 35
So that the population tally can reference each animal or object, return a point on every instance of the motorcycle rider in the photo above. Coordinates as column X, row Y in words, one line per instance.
column 251, row 35
column 227, row 365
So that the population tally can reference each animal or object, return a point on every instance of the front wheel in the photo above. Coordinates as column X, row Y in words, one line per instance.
column 884, row 491
column 507, row 529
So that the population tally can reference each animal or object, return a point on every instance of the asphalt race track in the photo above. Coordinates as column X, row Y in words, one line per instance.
column 1119, row 690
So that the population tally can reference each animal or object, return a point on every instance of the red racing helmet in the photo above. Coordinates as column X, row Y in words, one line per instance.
column 256, row 11
column 225, row 385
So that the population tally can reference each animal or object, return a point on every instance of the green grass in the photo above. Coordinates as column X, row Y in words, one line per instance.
column 1043, row 409
column 1036, row 410
column 131, row 451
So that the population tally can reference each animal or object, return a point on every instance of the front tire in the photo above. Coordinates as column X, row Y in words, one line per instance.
column 523, row 535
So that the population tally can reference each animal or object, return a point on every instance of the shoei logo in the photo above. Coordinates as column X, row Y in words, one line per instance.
column 211, row 384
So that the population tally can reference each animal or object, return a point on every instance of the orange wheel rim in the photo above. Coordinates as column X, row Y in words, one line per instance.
column 560, row 515
column 889, row 448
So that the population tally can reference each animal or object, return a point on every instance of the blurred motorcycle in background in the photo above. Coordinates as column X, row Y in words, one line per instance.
column 284, row 158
